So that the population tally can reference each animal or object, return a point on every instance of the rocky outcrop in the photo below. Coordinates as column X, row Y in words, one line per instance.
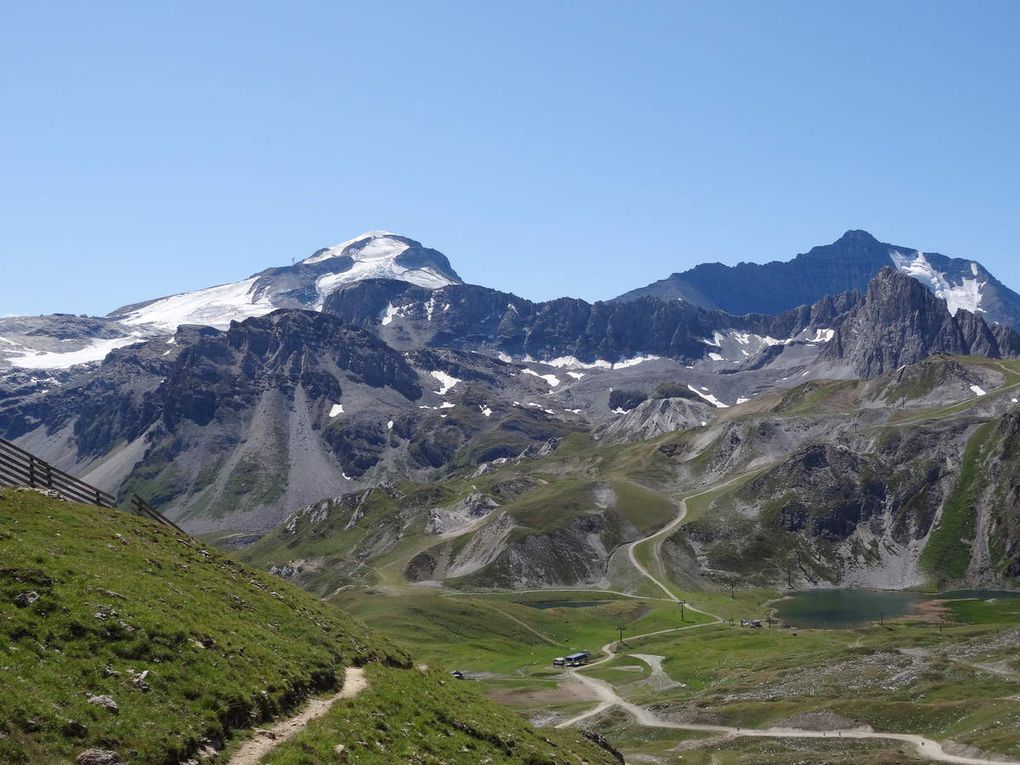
column 900, row 322
column 98, row 757
column 654, row 417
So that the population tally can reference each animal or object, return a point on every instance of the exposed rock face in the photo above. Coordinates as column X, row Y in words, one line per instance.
column 98, row 757
column 1002, row 524
column 846, row 265
column 220, row 417
column 655, row 417
column 477, row 318
column 900, row 322
column 838, row 512
column 570, row 556
column 107, row 702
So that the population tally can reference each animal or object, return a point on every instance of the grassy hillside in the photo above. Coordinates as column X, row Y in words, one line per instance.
column 948, row 552
column 369, row 537
column 426, row 718
column 224, row 646
column 120, row 634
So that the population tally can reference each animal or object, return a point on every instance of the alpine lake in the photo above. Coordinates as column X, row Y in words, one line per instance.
column 842, row 609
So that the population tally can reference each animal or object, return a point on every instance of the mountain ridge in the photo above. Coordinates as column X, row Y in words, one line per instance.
column 50, row 345
column 847, row 264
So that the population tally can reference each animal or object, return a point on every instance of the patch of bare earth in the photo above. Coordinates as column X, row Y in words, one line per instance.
column 817, row 720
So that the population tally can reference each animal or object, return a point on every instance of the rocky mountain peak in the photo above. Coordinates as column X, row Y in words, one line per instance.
column 889, row 284
column 856, row 235
column 901, row 322
column 846, row 265
column 382, row 254
column 370, row 245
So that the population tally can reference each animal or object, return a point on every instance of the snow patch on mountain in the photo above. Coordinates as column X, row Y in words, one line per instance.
column 571, row 362
column 96, row 351
column 966, row 294
column 426, row 277
column 391, row 311
column 336, row 410
column 709, row 398
column 553, row 380
column 634, row 361
column 446, row 382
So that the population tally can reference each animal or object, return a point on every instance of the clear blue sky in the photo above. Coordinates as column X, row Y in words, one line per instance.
column 547, row 148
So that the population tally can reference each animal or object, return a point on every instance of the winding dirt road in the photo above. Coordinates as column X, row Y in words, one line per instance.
column 609, row 698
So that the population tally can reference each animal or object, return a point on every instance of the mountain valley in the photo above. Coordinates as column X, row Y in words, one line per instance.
column 489, row 482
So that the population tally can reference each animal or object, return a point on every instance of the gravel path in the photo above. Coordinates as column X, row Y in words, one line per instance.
column 264, row 740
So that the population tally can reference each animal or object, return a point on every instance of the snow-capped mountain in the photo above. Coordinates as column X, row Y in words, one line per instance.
column 848, row 264
column 372, row 255
column 382, row 279
column 43, row 346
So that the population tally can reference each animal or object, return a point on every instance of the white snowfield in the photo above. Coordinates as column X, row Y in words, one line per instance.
column 965, row 295
column 571, row 362
column 446, row 382
column 735, row 345
column 96, row 351
column 552, row 380
column 211, row 307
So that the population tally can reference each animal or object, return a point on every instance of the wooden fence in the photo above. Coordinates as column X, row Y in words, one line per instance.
column 21, row 468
